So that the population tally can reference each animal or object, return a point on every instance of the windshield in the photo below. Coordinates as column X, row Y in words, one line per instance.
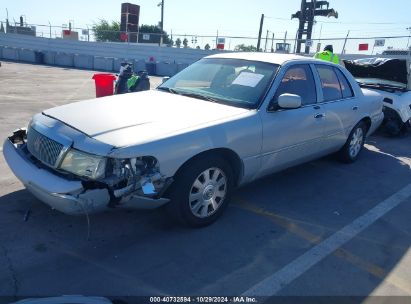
column 235, row 82
column 383, row 82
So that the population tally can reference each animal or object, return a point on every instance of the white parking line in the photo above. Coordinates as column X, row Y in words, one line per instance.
column 277, row 281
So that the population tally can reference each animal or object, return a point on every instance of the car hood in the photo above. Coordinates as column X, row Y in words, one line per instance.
column 123, row 120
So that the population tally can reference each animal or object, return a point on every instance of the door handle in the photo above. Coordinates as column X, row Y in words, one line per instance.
column 319, row 115
column 354, row 108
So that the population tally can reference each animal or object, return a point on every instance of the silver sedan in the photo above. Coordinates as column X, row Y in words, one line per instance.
column 224, row 121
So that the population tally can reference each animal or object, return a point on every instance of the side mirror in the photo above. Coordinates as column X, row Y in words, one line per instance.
column 165, row 78
column 289, row 101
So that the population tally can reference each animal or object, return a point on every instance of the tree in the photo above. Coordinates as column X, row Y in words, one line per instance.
column 178, row 42
column 185, row 43
column 154, row 29
column 198, row 47
column 104, row 31
column 207, row 47
column 245, row 48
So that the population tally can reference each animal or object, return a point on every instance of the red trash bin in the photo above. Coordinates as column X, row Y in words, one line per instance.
column 104, row 84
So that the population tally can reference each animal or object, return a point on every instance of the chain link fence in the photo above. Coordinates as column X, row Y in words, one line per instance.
column 270, row 42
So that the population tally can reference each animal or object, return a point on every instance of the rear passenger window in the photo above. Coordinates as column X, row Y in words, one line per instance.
column 345, row 85
column 329, row 83
column 298, row 80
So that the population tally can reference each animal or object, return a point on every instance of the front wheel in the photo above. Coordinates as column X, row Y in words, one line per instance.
column 355, row 143
column 201, row 191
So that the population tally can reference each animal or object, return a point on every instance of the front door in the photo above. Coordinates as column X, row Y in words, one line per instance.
column 292, row 136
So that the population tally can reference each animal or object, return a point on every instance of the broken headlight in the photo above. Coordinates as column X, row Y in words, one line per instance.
column 84, row 164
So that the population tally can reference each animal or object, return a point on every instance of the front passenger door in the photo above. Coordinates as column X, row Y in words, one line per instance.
column 292, row 136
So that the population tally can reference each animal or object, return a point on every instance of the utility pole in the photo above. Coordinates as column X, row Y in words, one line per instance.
column 260, row 33
column 310, row 9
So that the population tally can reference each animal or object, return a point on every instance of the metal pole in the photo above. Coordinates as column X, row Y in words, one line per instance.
column 7, row 20
column 295, row 42
column 260, row 32
column 162, row 22
column 50, row 28
column 88, row 34
column 272, row 44
column 266, row 41
column 345, row 42
column 216, row 40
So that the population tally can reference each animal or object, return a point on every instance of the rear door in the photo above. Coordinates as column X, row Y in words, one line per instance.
column 339, row 105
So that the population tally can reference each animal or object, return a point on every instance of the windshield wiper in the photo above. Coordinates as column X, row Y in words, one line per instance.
column 170, row 90
column 199, row 96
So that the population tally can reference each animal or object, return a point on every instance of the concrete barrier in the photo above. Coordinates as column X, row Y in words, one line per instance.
column 166, row 69
column 139, row 65
column 103, row 63
column 63, row 59
column 27, row 55
column 49, row 58
column 83, row 61
column 10, row 53
column 181, row 66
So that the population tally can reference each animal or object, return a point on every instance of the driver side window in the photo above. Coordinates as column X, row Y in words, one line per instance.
column 298, row 80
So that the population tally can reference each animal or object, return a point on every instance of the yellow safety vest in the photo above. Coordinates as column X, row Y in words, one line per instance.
column 327, row 56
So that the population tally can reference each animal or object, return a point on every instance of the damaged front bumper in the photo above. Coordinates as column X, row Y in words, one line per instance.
column 65, row 195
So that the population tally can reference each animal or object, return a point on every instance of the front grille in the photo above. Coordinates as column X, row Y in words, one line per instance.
column 43, row 148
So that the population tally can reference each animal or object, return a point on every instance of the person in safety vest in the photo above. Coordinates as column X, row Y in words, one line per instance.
column 327, row 55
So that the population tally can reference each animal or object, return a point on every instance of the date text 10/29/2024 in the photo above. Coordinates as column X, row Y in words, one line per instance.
column 205, row 299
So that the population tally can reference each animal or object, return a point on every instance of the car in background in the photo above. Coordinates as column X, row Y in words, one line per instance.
column 224, row 121
column 391, row 78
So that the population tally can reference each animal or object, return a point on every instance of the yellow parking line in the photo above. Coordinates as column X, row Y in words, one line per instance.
column 292, row 227
column 281, row 221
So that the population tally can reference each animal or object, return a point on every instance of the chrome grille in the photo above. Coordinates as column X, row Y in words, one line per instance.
column 43, row 148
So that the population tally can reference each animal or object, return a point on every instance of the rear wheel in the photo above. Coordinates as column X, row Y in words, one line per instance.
column 355, row 143
column 201, row 191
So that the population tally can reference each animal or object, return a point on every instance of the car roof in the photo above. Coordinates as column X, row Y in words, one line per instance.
column 263, row 57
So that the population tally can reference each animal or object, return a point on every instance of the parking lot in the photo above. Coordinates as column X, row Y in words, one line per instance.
column 320, row 229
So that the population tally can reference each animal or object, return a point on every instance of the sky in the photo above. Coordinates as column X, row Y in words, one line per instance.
column 363, row 18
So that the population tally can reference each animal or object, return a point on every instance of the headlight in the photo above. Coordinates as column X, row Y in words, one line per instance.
column 84, row 164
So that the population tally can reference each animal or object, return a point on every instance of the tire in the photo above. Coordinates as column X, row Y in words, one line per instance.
column 354, row 145
column 394, row 127
column 201, row 191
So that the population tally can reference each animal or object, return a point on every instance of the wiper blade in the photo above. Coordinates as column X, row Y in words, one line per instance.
column 189, row 94
column 199, row 96
column 170, row 90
